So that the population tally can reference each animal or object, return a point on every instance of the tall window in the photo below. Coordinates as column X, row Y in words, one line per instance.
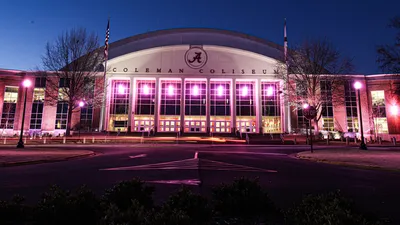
column 301, row 93
column 195, row 98
column 61, row 115
column 379, row 111
column 351, row 107
column 145, row 97
column 245, row 105
column 37, row 108
column 119, row 107
column 327, row 107
column 86, row 117
column 170, row 103
column 220, row 98
column 270, row 108
column 9, row 107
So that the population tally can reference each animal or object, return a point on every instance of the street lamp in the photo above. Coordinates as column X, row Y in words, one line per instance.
column 357, row 86
column 26, row 83
column 81, row 104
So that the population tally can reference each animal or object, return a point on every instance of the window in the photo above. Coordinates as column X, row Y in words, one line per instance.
column 245, row 98
column 351, row 107
column 195, row 98
column 301, row 93
column 37, row 108
column 64, row 82
column 119, row 105
column 270, row 99
column 86, row 117
column 145, row 97
column 40, row 82
column 220, row 102
column 170, row 102
column 379, row 111
column 61, row 115
column 9, row 107
column 327, row 107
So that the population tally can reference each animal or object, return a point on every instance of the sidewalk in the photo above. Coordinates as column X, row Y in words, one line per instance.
column 30, row 155
column 378, row 159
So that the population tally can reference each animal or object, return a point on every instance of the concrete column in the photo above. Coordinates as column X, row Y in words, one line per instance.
column 208, row 106
column 157, row 103
column 49, row 109
column 182, row 105
column 2, row 91
column 233, row 105
column 131, row 103
column 259, row 106
column 28, row 109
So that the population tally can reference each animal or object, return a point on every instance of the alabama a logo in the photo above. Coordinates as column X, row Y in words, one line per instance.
column 196, row 57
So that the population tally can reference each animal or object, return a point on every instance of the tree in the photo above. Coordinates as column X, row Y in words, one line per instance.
column 389, row 55
column 71, row 64
column 315, row 70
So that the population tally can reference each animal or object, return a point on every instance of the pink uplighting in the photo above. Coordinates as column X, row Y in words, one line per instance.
column 306, row 105
column 170, row 90
column 146, row 90
column 357, row 85
column 195, row 90
column 27, row 83
column 81, row 104
column 220, row 90
column 121, row 89
column 245, row 91
column 394, row 109
column 270, row 91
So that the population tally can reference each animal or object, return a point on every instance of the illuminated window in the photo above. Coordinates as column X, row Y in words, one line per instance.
column 301, row 93
column 379, row 111
column 245, row 102
column 195, row 98
column 145, row 97
column 61, row 115
column 9, row 107
column 220, row 103
column 170, row 102
column 351, row 106
column 37, row 108
column 327, row 107
column 119, row 105
column 270, row 104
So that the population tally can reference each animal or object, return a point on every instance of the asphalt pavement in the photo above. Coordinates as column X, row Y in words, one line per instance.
column 167, row 167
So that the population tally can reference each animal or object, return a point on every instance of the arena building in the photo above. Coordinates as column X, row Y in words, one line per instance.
column 195, row 81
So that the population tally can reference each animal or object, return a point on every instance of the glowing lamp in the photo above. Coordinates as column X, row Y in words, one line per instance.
column 306, row 105
column 121, row 89
column 170, row 90
column 220, row 90
column 145, row 89
column 27, row 83
column 195, row 90
column 81, row 104
column 357, row 85
column 245, row 91
column 394, row 109
column 270, row 91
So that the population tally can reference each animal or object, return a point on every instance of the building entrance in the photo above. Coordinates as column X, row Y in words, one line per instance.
column 170, row 125
column 195, row 126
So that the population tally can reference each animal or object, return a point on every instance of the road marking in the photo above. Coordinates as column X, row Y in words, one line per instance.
column 138, row 156
column 196, row 154
column 248, row 153
column 194, row 182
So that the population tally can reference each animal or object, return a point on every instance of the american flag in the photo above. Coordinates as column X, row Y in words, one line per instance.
column 106, row 41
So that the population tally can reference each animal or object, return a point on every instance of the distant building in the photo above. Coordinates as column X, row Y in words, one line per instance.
column 196, row 81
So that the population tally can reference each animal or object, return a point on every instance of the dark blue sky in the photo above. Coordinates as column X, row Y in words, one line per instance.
column 354, row 26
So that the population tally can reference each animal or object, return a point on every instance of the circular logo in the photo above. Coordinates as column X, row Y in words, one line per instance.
column 196, row 57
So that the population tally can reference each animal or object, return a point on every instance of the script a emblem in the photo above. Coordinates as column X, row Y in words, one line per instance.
column 195, row 57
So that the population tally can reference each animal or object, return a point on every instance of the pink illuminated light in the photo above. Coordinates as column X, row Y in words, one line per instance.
column 270, row 91
column 27, row 83
column 81, row 104
column 195, row 90
column 220, row 90
column 357, row 85
column 121, row 89
column 245, row 91
column 145, row 89
column 394, row 109
column 170, row 90
column 306, row 105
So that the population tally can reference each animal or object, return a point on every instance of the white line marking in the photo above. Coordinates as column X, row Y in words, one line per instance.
column 195, row 155
column 138, row 156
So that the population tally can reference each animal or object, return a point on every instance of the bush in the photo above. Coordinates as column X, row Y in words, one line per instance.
column 243, row 200
column 14, row 211
column 133, row 215
column 168, row 216
column 195, row 206
column 59, row 206
column 123, row 193
column 325, row 209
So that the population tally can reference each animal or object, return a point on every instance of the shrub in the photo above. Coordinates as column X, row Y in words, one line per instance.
column 325, row 209
column 123, row 193
column 195, row 206
column 135, row 214
column 14, row 211
column 243, row 200
column 168, row 216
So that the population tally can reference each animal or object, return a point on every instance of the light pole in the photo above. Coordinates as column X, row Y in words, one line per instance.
column 357, row 86
column 81, row 104
column 26, row 83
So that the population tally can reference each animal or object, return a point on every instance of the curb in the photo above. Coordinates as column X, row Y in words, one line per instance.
column 370, row 167
column 34, row 162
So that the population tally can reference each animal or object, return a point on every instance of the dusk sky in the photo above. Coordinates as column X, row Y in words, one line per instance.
column 354, row 26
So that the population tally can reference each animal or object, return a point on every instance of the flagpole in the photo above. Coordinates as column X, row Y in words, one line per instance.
column 288, row 117
column 103, row 103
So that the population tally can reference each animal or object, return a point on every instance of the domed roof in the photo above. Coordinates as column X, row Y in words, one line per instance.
column 195, row 36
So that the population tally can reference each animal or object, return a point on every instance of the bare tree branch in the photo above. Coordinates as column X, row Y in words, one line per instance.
column 389, row 55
